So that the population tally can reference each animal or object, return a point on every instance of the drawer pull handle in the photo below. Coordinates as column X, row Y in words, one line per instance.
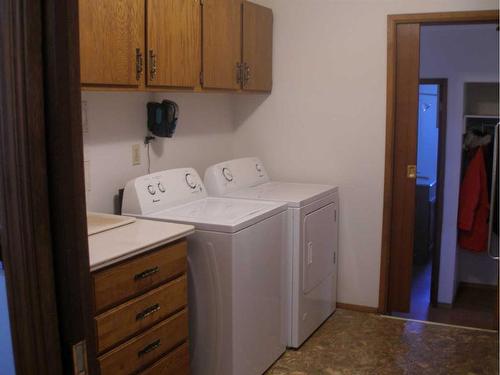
column 147, row 273
column 147, row 312
column 149, row 348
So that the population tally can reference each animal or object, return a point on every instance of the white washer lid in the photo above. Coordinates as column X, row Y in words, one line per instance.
column 220, row 214
column 294, row 194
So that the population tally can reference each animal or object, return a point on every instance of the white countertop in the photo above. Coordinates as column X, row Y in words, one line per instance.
column 126, row 241
column 98, row 222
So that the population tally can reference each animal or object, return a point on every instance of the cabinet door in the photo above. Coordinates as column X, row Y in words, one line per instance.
column 111, row 42
column 221, row 44
column 257, row 47
column 174, row 43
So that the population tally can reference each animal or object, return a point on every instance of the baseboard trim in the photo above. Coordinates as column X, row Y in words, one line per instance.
column 477, row 286
column 360, row 308
column 445, row 305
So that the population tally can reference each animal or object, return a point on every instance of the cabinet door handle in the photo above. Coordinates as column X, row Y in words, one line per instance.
column 152, row 61
column 246, row 73
column 149, row 348
column 146, row 273
column 147, row 312
column 138, row 63
column 239, row 72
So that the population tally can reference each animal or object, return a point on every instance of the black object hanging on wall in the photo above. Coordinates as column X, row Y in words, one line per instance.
column 162, row 118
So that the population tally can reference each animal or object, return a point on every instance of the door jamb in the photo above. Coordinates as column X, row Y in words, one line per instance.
column 26, row 243
column 445, row 18
column 441, row 166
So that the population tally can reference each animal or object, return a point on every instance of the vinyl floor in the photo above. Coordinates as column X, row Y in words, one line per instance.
column 361, row 343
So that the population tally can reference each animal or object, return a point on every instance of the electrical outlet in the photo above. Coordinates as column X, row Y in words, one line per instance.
column 85, row 122
column 136, row 154
column 86, row 168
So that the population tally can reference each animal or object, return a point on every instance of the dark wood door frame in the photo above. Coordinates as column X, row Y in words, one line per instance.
column 42, row 199
column 24, row 205
column 66, row 179
column 487, row 16
column 441, row 164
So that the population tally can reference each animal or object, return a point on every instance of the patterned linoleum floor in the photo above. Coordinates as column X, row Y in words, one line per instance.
column 359, row 343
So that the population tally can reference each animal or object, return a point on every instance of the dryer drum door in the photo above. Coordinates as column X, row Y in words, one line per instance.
column 318, row 247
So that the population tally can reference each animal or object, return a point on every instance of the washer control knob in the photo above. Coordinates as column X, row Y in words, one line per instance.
column 151, row 190
column 258, row 167
column 190, row 181
column 227, row 174
column 161, row 187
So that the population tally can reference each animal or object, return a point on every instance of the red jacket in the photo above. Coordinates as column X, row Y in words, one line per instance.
column 474, row 207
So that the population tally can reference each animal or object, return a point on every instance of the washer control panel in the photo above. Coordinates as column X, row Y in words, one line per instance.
column 162, row 190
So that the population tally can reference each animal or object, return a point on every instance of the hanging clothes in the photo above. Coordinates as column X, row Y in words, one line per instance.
column 474, row 207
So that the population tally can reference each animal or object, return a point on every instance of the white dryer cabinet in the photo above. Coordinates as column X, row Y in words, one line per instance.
column 312, row 237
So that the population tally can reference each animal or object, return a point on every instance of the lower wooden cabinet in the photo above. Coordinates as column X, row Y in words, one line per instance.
column 143, row 333
column 174, row 363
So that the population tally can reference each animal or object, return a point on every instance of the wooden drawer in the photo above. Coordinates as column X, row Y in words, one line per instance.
column 147, row 348
column 140, row 313
column 174, row 363
column 138, row 275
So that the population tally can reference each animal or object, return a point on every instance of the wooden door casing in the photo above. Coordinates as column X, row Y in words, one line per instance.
column 25, row 227
column 173, row 43
column 66, row 182
column 221, row 44
column 111, row 35
column 443, row 18
column 405, row 154
column 257, row 47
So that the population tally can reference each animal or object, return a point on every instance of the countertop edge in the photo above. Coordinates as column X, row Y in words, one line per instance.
column 132, row 253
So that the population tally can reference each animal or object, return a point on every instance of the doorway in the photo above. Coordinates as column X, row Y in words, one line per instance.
column 403, row 178
column 427, row 231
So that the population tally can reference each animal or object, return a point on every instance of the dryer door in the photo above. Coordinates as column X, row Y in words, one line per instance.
column 318, row 246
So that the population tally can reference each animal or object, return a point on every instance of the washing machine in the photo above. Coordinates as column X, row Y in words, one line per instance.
column 312, row 240
column 236, row 278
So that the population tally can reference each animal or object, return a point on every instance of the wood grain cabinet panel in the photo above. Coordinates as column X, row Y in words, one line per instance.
column 221, row 43
column 145, row 349
column 134, row 316
column 257, row 47
column 174, row 43
column 111, row 39
column 174, row 363
column 138, row 275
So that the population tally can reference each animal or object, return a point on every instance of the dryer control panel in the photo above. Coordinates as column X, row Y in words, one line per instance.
column 159, row 191
column 232, row 175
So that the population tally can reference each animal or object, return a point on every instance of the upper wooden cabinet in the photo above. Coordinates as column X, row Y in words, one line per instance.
column 111, row 42
column 257, row 47
column 174, row 43
column 222, row 44
column 164, row 44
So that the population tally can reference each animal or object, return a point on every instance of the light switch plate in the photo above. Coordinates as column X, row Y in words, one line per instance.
column 136, row 154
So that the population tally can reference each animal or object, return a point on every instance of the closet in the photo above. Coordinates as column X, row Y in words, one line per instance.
column 478, row 206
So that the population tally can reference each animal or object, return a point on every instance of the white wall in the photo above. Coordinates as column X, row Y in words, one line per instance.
column 325, row 120
column 116, row 121
column 460, row 53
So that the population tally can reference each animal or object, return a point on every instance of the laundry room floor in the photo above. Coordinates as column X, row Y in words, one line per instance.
column 360, row 343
